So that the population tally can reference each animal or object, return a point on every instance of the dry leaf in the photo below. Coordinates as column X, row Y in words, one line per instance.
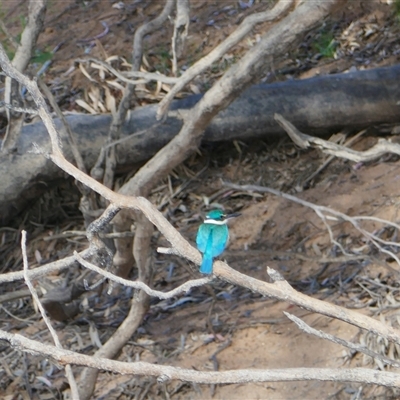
column 84, row 72
column 111, row 103
column 116, row 85
column 85, row 106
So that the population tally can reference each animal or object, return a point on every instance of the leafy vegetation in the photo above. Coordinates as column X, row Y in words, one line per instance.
column 325, row 44
column 396, row 6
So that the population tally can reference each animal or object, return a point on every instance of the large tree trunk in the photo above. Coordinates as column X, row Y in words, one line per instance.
column 317, row 106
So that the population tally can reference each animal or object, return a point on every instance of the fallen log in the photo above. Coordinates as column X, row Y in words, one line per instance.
column 318, row 106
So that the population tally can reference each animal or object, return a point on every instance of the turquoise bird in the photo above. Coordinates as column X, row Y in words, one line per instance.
column 212, row 237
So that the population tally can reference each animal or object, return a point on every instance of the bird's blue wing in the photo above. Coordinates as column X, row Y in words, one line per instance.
column 206, row 237
column 211, row 240
column 202, row 237
column 219, row 240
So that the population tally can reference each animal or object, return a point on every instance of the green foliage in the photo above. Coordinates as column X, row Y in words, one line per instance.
column 163, row 58
column 164, row 54
column 22, row 20
column 396, row 6
column 325, row 44
column 8, row 49
column 41, row 57
column 224, row 64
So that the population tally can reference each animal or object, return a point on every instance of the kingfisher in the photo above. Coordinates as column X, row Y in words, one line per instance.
column 212, row 237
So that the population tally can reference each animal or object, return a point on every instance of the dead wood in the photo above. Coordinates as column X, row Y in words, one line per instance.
column 36, row 14
column 165, row 373
column 318, row 105
column 303, row 141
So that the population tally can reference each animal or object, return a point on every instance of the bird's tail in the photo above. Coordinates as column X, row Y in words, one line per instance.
column 206, row 265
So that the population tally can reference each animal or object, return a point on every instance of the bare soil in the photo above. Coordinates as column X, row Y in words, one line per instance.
column 219, row 326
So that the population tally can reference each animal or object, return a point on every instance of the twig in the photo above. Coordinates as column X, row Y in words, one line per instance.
column 66, row 129
column 68, row 369
column 215, row 361
column 146, row 76
column 99, row 36
column 184, row 288
column 331, row 158
column 301, row 139
column 181, row 27
column 14, row 295
column 36, row 13
column 47, row 269
column 28, row 319
column 327, row 213
column 67, row 234
column 129, row 137
column 108, row 156
column 18, row 109
column 166, row 373
column 352, row 346
column 10, row 37
column 200, row 66
column 23, row 54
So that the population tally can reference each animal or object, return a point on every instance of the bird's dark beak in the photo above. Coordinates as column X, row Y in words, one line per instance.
column 234, row 215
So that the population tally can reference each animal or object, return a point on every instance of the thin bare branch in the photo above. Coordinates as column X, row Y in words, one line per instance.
column 123, row 108
column 184, row 288
column 10, row 37
column 181, row 27
column 66, row 130
column 146, row 76
column 47, row 269
column 331, row 158
column 304, row 141
column 352, row 346
column 166, row 373
column 18, row 109
column 246, row 26
column 327, row 213
column 23, row 54
column 68, row 369
column 36, row 14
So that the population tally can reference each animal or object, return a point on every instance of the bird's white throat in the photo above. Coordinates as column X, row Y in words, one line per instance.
column 215, row 222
